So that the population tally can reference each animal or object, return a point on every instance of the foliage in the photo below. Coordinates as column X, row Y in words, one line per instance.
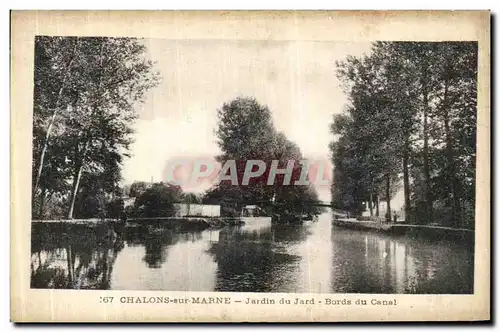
column 191, row 198
column 138, row 188
column 85, row 96
column 246, row 132
column 411, row 116
column 158, row 200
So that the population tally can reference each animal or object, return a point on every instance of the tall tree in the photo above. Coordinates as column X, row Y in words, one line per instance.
column 94, row 85
column 456, row 99
column 54, row 59
column 368, row 131
column 411, row 114
column 424, row 57
column 401, row 89
column 246, row 132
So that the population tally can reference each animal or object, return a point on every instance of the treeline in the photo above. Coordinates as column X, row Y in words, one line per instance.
column 246, row 132
column 410, row 122
column 152, row 200
column 85, row 93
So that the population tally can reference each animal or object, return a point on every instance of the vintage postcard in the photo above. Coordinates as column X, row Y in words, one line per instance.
column 246, row 166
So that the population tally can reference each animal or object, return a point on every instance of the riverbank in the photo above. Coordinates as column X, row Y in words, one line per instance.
column 428, row 231
column 179, row 223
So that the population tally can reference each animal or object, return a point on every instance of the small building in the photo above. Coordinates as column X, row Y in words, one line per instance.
column 199, row 210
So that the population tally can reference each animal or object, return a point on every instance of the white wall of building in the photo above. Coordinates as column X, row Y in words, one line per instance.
column 197, row 210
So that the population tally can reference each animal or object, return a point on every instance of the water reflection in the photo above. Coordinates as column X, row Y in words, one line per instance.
column 82, row 260
column 249, row 261
column 154, row 241
column 257, row 257
column 377, row 263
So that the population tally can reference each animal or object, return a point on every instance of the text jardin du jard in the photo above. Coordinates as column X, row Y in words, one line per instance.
column 248, row 300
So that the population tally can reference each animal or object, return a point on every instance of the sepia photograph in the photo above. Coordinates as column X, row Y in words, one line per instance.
column 253, row 166
column 284, row 167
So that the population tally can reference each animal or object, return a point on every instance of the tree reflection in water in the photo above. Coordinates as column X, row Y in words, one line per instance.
column 76, row 257
column 256, row 257
column 156, row 241
column 250, row 260
column 367, row 262
column 79, row 257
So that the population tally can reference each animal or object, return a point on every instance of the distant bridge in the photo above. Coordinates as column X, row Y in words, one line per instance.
column 303, row 203
column 308, row 203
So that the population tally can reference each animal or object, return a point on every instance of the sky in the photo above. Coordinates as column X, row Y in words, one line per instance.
column 295, row 79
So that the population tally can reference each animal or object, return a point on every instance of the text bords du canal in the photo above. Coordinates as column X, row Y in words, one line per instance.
column 249, row 301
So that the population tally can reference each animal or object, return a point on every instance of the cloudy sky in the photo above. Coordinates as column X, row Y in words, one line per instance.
column 295, row 79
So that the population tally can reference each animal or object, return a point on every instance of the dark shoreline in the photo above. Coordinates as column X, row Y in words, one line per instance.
column 461, row 235
column 175, row 223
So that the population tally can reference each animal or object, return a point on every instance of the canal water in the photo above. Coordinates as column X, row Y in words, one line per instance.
column 258, row 257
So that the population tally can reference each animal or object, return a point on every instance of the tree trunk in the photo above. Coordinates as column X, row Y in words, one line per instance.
column 69, row 259
column 388, row 197
column 51, row 122
column 74, row 190
column 427, row 176
column 42, row 203
column 44, row 149
column 456, row 217
column 370, row 204
column 77, row 175
column 406, row 182
column 377, row 202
